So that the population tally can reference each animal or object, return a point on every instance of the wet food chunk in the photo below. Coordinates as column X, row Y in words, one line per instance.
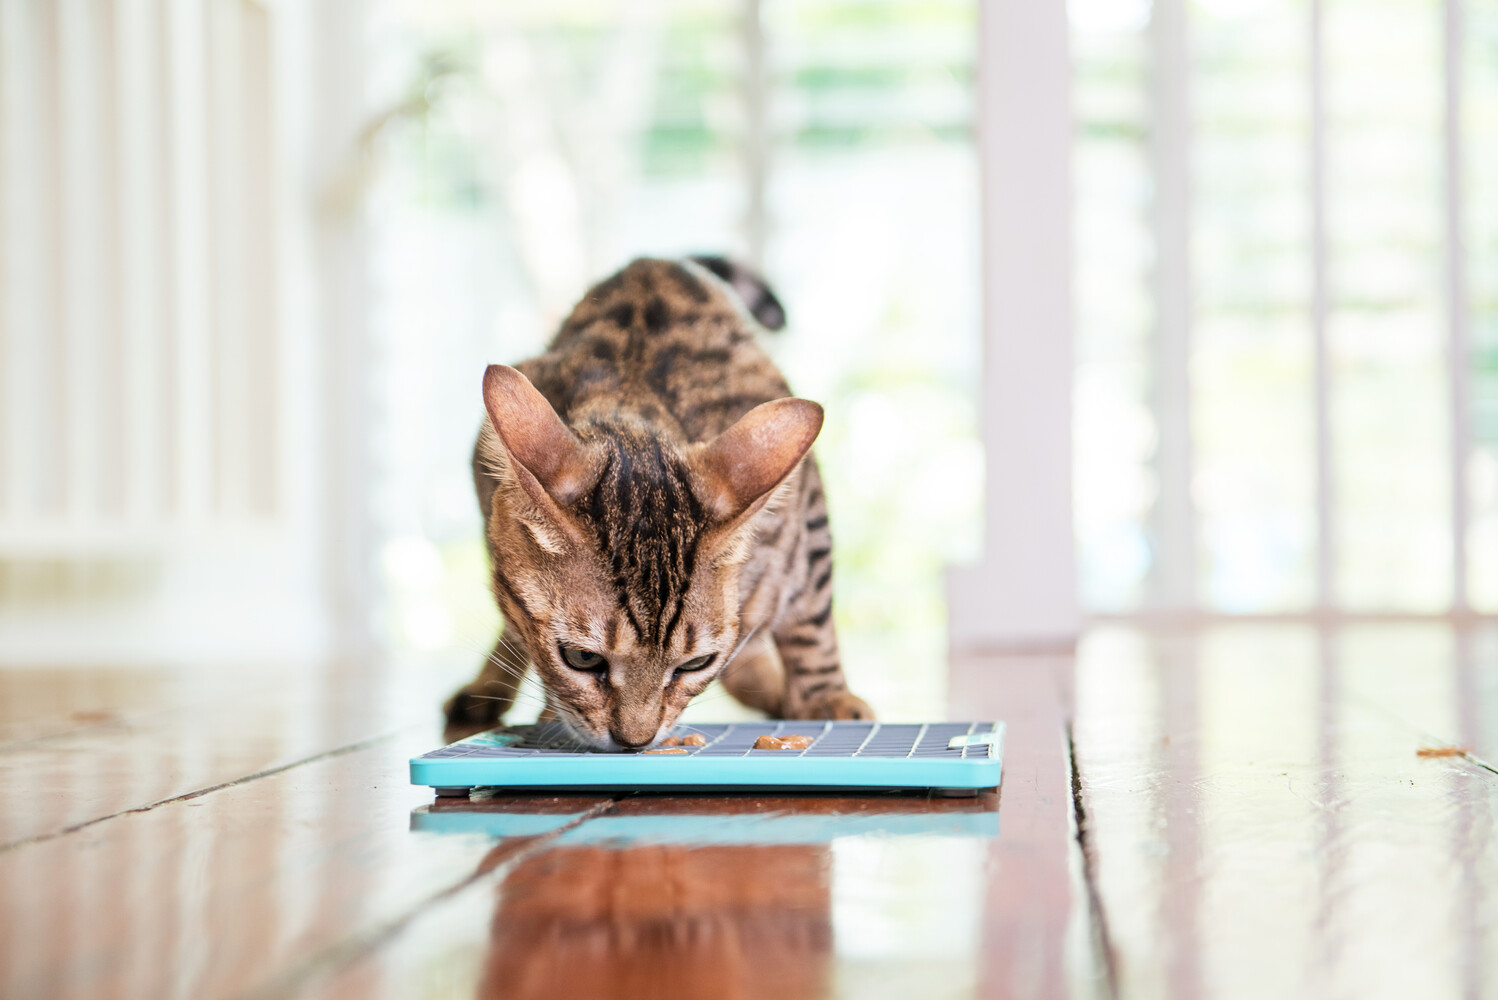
column 792, row 742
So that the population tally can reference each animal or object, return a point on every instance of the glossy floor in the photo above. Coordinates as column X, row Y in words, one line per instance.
column 1250, row 819
column 1260, row 820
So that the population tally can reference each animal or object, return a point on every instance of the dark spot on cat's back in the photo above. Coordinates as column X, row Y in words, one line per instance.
column 586, row 378
column 656, row 315
column 622, row 315
column 658, row 377
column 603, row 351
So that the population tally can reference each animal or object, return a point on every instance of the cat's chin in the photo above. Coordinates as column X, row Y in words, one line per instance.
column 589, row 741
column 604, row 743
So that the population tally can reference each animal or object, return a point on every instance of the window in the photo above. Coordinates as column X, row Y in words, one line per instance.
column 1285, row 245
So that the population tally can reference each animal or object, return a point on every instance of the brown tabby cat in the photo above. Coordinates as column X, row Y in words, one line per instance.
column 653, row 517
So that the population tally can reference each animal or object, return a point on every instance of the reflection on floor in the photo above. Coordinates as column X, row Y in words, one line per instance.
column 748, row 896
column 1261, row 824
column 1247, row 816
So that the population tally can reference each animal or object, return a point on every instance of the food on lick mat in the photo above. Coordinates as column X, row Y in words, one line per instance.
column 794, row 742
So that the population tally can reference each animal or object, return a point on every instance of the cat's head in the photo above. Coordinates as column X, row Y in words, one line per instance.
column 617, row 551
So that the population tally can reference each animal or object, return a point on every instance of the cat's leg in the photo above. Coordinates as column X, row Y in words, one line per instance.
column 483, row 701
column 755, row 677
column 806, row 640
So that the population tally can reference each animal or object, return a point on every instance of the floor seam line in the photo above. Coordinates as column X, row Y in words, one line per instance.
column 30, row 742
column 1089, row 866
column 42, row 838
column 337, row 957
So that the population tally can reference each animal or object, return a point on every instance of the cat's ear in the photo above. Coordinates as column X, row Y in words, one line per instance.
column 550, row 458
column 742, row 466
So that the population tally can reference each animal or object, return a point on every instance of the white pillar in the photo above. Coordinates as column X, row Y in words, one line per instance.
column 340, row 44
column 1023, row 593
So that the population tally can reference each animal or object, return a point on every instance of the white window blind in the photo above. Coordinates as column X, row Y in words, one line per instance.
column 139, row 340
column 1286, row 392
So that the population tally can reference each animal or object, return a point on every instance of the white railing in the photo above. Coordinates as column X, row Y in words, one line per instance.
column 139, row 342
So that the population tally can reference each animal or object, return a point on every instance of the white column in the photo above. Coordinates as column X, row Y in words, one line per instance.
column 339, row 42
column 1326, row 498
column 755, row 88
column 1023, row 592
column 1459, row 335
column 1174, row 519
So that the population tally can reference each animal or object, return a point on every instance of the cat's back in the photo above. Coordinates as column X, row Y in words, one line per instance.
column 666, row 340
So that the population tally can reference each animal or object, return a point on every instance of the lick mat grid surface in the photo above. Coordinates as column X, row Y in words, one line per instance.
column 841, row 754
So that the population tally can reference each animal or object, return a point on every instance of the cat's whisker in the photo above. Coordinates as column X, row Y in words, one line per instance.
column 574, row 741
column 512, row 649
column 712, row 698
column 508, row 670
column 504, row 664
column 504, row 640
column 517, row 672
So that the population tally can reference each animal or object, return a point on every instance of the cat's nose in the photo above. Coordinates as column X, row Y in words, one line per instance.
column 633, row 726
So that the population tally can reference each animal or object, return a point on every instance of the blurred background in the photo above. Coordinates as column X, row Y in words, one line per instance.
column 256, row 255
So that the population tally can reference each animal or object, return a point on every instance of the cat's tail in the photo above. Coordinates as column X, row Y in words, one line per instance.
column 751, row 287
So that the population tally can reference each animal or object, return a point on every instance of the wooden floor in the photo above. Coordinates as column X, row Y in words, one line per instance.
column 1232, row 811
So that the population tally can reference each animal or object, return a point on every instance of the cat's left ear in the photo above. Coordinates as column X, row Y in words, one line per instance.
column 742, row 466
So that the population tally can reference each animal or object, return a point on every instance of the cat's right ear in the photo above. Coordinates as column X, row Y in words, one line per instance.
column 551, row 465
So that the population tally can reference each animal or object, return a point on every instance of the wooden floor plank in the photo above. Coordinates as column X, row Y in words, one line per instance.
column 36, row 704
column 1040, row 940
column 224, row 893
column 186, row 736
column 1255, row 791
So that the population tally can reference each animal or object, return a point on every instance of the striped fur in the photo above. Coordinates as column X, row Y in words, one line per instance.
column 638, row 556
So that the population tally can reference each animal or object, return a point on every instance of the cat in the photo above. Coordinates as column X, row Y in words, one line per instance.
column 654, row 517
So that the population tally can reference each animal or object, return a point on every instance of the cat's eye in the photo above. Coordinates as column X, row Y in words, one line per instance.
column 583, row 659
column 697, row 663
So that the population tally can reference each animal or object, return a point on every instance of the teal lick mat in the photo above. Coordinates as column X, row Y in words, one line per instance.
column 958, row 755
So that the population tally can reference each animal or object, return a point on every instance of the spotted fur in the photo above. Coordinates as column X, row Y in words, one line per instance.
column 645, row 506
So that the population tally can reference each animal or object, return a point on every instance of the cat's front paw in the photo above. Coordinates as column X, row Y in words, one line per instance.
column 839, row 705
column 471, row 711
